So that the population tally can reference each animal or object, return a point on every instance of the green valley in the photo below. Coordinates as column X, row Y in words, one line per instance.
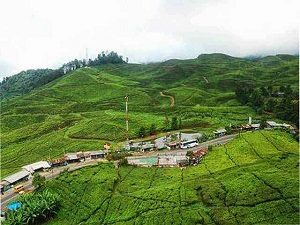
column 85, row 108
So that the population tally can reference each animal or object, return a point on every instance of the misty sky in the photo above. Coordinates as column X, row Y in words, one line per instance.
column 47, row 33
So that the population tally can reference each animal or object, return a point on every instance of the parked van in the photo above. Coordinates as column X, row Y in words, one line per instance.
column 19, row 188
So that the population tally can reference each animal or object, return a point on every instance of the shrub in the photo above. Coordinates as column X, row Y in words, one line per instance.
column 35, row 208
column 38, row 181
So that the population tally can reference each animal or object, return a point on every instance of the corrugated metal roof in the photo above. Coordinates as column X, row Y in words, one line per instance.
column 71, row 156
column 272, row 123
column 220, row 131
column 36, row 166
column 166, row 161
column 16, row 176
column 100, row 152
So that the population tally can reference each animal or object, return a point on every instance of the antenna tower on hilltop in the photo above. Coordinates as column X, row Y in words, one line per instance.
column 86, row 57
column 126, row 118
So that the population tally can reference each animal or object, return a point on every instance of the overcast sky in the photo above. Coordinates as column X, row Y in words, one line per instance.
column 40, row 34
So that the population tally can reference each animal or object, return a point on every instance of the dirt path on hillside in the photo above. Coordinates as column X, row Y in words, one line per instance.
column 172, row 100
column 205, row 79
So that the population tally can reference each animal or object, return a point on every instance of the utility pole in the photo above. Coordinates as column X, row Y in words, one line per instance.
column 126, row 110
column 86, row 57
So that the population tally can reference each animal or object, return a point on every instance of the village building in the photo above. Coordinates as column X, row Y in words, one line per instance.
column 272, row 124
column 173, row 145
column 160, row 143
column 166, row 161
column 58, row 162
column 97, row 154
column 172, row 160
column 220, row 132
column 144, row 161
column 22, row 175
column 182, row 160
column 4, row 185
column 255, row 126
column 197, row 155
column 37, row 166
column 246, row 127
column 133, row 146
column 147, row 147
column 74, row 157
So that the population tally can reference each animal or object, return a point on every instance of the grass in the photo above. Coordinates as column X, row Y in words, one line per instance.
column 85, row 108
column 218, row 191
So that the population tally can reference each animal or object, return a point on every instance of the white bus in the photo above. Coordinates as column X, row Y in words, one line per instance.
column 189, row 144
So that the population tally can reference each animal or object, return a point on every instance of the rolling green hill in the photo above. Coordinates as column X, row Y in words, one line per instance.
column 251, row 180
column 84, row 109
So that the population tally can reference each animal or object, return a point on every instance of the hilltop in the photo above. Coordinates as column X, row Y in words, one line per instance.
column 84, row 108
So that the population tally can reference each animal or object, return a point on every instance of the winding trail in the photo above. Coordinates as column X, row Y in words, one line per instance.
column 172, row 99
column 205, row 79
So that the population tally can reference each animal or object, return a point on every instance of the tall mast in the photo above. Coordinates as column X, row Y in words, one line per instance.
column 86, row 57
column 126, row 109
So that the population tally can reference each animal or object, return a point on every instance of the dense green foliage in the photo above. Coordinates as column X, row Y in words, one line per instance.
column 283, row 101
column 35, row 208
column 85, row 108
column 38, row 181
column 251, row 180
column 26, row 81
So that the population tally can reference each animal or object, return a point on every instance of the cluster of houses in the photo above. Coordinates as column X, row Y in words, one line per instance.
column 170, row 141
column 256, row 126
column 168, row 160
column 29, row 170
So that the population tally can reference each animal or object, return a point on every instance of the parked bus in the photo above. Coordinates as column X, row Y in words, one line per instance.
column 19, row 188
column 189, row 144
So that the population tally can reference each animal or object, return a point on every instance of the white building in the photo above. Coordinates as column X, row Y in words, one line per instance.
column 31, row 168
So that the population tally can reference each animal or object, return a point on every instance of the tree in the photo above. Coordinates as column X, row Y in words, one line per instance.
column 264, row 91
column 180, row 123
column 228, row 130
column 166, row 123
column 243, row 93
column 174, row 123
column 263, row 123
column 256, row 99
column 142, row 132
column 152, row 129
column 38, row 181
column 270, row 90
column 190, row 153
column 123, row 162
column 288, row 91
column 203, row 138
column 270, row 105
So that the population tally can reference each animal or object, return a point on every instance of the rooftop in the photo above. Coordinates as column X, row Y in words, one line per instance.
column 16, row 176
column 220, row 131
column 36, row 166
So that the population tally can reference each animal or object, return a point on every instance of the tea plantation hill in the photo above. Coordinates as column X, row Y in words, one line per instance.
column 251, row 180
column 85, row 108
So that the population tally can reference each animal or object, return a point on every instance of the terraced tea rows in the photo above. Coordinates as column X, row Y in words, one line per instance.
column 239, row 183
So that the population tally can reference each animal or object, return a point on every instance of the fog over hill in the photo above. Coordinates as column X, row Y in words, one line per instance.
column 147, row 31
